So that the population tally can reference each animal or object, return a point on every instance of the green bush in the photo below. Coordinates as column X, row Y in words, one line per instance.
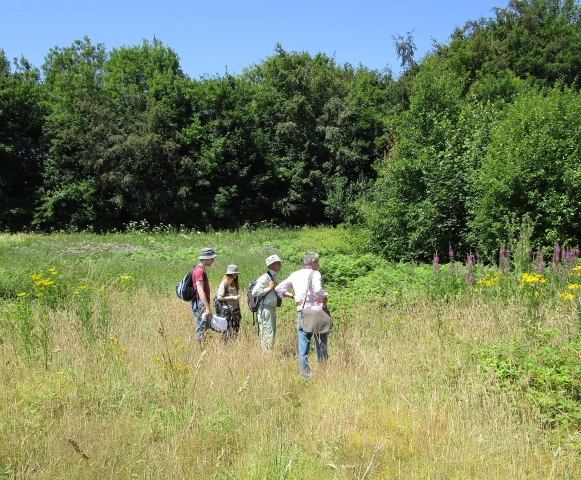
column 544, row 371
column 532, row 167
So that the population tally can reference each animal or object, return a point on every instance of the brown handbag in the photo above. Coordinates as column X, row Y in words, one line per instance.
column 315, row 321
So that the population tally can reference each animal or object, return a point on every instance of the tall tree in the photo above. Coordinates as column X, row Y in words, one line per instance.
column 532, row 167
column 308, row 140
column 76, row 127
column 114, row 128
column 22, row 149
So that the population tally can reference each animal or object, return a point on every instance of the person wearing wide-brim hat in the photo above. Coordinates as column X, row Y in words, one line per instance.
column 228, row 296
column 269, row 301
column 201, row 303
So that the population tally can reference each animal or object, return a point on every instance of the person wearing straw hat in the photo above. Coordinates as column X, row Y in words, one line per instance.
column 269, row 300
column 228, row 296
column 201, row 305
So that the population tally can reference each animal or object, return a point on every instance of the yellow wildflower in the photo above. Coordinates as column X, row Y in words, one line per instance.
column 534, row 278
column 490, row 279
column 566, row 296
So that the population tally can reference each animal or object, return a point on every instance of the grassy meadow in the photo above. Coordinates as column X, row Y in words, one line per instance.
column 456, row 371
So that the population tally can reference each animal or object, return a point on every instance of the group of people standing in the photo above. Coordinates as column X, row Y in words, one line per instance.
column 305, row 289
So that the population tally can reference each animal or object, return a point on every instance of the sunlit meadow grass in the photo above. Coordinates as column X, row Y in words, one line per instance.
column 125, row 391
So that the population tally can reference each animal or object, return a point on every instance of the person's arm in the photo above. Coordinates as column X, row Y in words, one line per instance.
column 263, row 285
column 204, row 300
column 318, row 290
column 221, row 293
column 283, row 287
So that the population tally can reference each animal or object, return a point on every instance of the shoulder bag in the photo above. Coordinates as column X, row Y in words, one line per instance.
column 315, row 321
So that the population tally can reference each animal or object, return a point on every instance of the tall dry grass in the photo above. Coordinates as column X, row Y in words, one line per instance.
column 399, row 398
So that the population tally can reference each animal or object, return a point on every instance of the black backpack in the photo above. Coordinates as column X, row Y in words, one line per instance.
column 254, row 302
column 186, row 290
column 217, row 303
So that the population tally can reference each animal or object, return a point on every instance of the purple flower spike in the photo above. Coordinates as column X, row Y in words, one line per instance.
column 450, row 252
column 540, row 261
column 470, row 260
column 436, row 264
column 503, row 259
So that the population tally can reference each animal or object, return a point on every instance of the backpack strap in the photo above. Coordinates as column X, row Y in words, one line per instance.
column 204, row 277
column 197, row 266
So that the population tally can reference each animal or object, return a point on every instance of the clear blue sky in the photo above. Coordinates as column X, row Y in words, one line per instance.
column 212, row 36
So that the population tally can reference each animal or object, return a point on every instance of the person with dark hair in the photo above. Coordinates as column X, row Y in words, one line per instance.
column 228, row 296
column 201, row 305
column 307, row 295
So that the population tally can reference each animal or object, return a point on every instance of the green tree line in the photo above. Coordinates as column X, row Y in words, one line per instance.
column 479, row 134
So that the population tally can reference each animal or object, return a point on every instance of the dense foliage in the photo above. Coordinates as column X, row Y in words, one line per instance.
column 481, row 131
column 490, row 135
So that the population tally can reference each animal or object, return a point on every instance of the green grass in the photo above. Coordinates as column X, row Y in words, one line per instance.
column 428, row 377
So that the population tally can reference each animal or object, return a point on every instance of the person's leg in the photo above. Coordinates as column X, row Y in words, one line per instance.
column 304, row 345
column 321, row 344
column 267, row 321
column 233, row 324
column 201, row 324
column 227, row 334
column 235, row 318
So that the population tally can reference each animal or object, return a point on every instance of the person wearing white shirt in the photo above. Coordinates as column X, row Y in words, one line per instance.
column 305, row 296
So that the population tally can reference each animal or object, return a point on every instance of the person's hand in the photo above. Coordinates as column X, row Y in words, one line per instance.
column 271, row 285
column 209, row 313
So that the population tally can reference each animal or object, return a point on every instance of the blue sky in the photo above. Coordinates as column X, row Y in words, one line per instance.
column 212, row 37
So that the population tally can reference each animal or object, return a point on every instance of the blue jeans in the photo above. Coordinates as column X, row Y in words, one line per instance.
column 199, row 308
column 305, row 346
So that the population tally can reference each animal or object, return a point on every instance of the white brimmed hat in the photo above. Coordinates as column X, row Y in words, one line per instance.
column 232, row 269
column 272, row 259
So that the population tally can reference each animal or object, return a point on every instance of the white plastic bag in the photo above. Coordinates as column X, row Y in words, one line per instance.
column 218, row 323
